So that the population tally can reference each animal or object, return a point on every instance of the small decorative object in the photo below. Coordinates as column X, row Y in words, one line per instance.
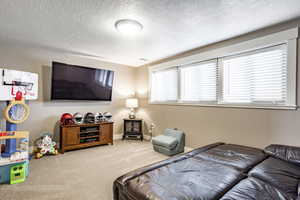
column 98, row 117
column 132, row 103
column 107, row 116
column 66, row 119
column 78, row 118
column 151, row 129
column 45, row 146
column 89, row 118
column 24, row 144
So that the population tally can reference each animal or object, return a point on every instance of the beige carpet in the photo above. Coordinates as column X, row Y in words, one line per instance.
column 86, row 174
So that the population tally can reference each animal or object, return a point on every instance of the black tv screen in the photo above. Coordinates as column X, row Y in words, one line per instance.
column 71, row 82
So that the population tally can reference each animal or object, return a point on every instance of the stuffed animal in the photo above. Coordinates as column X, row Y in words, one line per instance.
column 45, row 146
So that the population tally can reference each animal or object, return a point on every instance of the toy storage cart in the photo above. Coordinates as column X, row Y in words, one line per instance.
column 14, row 169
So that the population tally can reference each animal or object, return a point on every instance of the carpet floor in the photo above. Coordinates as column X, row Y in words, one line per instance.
column 86, row 174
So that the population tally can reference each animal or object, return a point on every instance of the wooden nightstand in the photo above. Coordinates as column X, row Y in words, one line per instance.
column 133, row 128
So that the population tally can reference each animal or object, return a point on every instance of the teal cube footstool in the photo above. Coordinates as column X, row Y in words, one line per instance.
column 170, row 143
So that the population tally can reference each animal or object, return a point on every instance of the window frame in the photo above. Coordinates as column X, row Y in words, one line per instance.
column 254, row 103
column 288, row 37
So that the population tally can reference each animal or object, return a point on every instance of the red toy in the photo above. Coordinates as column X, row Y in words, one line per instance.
column 7, row 133
column 66, row 119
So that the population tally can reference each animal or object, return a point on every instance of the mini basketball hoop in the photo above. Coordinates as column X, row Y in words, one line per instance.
column 25, row 90
column 17, row 111
column 13, row 81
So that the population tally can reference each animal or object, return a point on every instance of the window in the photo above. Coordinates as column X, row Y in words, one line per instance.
column 259, row 73
column 164, row 85
column 256, row 77
column 198, row 82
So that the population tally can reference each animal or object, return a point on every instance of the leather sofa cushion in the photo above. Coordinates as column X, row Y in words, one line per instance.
column 278, row 173
column 165, row 141
column 251, row 188
column 288, row 153
column 133, row 174
column 240, row 157
column 186, row 179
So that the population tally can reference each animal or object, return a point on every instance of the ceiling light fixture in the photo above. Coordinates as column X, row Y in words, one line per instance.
column 128, row 26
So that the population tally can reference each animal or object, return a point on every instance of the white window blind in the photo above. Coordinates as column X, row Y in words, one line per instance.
column 198, row 82
column 256, row 77
column 164, row 85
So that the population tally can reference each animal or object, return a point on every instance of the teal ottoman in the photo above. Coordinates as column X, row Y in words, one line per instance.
column 170, row 143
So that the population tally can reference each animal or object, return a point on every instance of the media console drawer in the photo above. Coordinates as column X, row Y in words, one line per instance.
column 77, row 136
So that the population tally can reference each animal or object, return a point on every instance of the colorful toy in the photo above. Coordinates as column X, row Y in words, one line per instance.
column 15, row 87
column 17, row 173
column 19, row 155
column 13, row 81
column 6, row 133
column 17, row 111
column 5, row 171
column 45, row 146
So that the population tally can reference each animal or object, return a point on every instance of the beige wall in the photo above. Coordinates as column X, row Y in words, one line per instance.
column 203, row 125
column 44, row 113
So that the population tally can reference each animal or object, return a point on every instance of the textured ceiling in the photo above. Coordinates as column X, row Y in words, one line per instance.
column 170, row 26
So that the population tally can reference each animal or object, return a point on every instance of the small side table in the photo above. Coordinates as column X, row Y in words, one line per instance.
column 133, row 128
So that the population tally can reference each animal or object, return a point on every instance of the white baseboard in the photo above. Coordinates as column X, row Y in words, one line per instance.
column 187, row 149
column 147, row 137
column 117, row 136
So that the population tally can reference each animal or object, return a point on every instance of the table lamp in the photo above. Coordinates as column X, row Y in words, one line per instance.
column 132, row 103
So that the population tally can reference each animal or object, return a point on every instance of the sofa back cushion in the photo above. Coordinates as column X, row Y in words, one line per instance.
column 252, row 188
column 186, row 179
column 287, row 153
column 240, row 157
column 279, row 173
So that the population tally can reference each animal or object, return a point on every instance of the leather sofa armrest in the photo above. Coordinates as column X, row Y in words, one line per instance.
column 299, row 190
column 284, row 152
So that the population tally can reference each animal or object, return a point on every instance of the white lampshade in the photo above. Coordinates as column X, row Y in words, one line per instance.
column 132, row 103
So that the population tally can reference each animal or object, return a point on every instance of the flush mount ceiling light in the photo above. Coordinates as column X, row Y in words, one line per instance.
column 128, row 26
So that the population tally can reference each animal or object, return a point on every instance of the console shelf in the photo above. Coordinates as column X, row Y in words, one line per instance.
column 76, row 136
column 81, row 132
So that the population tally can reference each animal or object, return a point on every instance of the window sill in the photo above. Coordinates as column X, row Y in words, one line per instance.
column 267, row 107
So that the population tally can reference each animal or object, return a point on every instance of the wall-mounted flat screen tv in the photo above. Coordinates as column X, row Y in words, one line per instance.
column 71, row 82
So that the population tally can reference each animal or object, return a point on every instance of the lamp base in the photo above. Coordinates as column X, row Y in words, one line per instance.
column 131, row 116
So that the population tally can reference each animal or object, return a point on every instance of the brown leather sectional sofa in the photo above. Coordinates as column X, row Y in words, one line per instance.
column 217, row 171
